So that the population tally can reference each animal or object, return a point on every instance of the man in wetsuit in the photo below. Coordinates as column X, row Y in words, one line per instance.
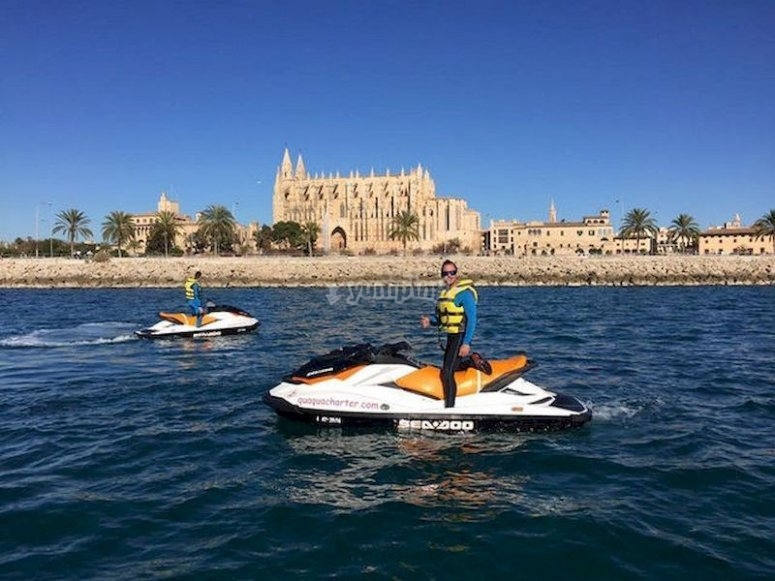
column 456, row 317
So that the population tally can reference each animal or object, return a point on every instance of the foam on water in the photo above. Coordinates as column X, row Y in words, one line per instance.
column 84, row 334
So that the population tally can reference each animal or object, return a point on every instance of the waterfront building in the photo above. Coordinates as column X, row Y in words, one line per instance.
column 593, row 234
column 733, row 238
column 356, row 213
column 186, row 227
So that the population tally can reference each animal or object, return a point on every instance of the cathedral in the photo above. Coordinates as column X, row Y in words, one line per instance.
column 356, row 213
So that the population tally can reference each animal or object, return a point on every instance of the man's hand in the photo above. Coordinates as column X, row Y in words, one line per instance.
column 464, row 350
column 425, row 321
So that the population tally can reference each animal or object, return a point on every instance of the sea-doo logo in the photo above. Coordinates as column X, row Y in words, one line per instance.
column 208, row 334
column 440, row 425
column 328, row 420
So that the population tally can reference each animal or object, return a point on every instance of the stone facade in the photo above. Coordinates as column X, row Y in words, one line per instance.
column 186, row 227
column 355, row 213
column 734, row 238
column 144, row 221
column 592, row 234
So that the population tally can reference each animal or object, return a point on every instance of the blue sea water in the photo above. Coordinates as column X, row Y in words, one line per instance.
column 123, row 458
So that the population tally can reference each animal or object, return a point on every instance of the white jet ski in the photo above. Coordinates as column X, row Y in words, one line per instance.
column 219, row 320
column 366, row 386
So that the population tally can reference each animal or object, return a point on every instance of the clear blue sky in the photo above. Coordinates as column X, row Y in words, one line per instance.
column 663, row 105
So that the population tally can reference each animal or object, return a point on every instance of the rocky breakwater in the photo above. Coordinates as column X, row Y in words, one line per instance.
column 321, row 271
column 631, row 270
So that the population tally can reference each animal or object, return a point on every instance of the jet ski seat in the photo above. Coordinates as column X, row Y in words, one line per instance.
column 184, row 319
column 427, row 380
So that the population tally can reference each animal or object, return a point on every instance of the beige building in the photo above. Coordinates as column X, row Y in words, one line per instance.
column 593, row 234
column 356, row 212
column 143, row 223
column 733, row 238
column 186, row 227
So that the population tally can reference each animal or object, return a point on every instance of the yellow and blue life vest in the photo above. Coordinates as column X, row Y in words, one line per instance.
column 452, row 318
column 189, row 286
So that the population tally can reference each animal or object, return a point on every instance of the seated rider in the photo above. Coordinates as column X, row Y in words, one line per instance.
column 194, row 297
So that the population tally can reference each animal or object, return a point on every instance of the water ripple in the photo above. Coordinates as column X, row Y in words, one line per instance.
column 128, row 459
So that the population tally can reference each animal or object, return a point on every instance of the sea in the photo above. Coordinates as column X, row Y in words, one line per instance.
column 124, row 458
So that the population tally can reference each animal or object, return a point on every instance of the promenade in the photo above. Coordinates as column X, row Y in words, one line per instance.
column 254, row 271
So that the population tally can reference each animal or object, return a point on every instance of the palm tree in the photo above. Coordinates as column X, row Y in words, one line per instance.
column 217, row 225
column 164, row 231
column 311, row 231
column 404, row 227
column 73, row 223
column 118, row 227
column 765, row 226
column 638, row 223
column 684, row 230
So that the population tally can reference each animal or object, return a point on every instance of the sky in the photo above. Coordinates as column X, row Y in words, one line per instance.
column 597, row 104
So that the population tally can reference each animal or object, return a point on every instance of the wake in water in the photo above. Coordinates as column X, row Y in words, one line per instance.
column 84, row 334
column 615, row 410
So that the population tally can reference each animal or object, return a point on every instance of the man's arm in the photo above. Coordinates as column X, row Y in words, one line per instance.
column 467, row 301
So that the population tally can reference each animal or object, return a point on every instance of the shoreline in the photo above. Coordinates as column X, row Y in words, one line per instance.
column 281, row 271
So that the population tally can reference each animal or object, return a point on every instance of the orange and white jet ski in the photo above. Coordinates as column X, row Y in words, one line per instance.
column 219, row 320
column 362, row 385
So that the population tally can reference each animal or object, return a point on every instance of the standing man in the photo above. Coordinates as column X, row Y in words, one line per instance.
column 456, row 317
column 194, row 297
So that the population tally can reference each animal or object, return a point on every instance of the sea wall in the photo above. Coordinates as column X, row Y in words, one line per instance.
column 322, row 271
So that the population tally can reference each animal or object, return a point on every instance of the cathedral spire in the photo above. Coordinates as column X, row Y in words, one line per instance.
column 286, row 169
column 301, row 171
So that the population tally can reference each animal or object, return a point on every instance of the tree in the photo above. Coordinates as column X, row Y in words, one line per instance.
column 404, row 227
column 684, row 230
column 118, row 227
column 289, row 234
column 163, row 233
column 217, row 225
column 311, row 230
column 263, row 238
column 765, row 226
column 73, row 223
column 638, row 224
column 447, row 247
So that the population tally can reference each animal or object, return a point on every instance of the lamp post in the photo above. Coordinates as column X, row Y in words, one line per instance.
column 37, row 229
column 50, row 233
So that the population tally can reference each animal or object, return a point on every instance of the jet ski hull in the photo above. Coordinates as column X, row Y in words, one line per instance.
column 362, row 386
column 219, row 321
column 453, row 421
